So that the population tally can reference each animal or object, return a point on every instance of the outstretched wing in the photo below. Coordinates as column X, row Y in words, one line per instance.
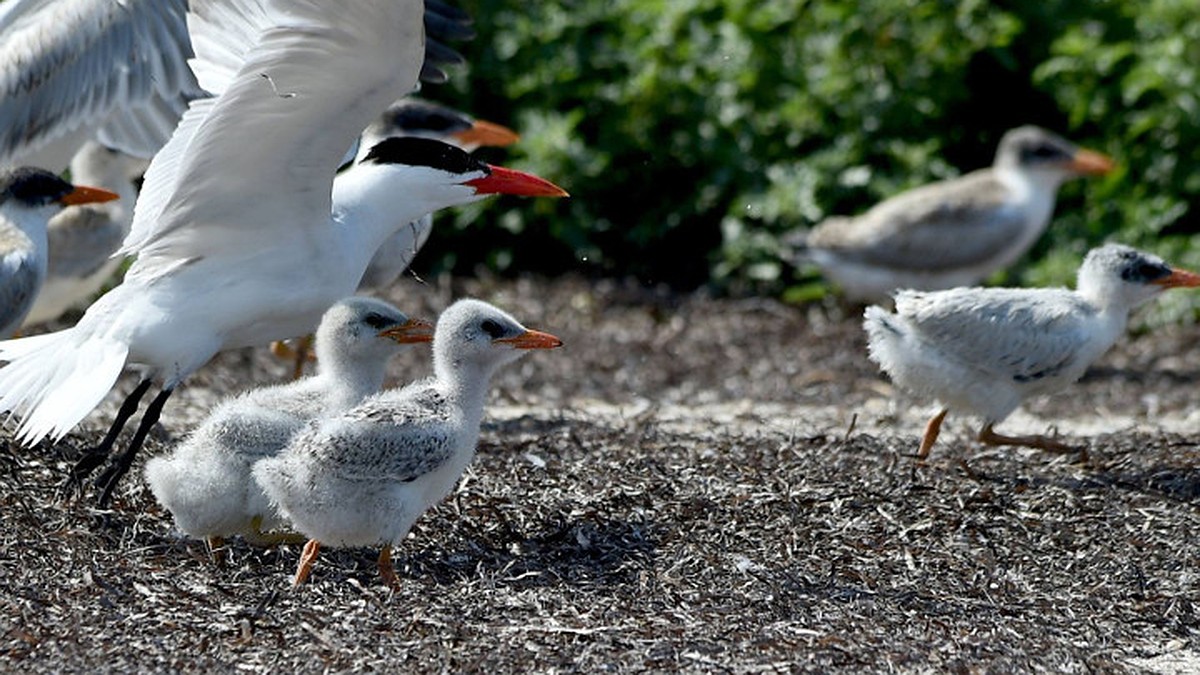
column 69, row 66
column 296, row 82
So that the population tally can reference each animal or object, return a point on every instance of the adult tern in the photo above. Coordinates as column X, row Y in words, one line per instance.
column 29, row 198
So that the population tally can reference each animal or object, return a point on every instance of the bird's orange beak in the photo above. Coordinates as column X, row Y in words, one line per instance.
column 502, row 181
column 1179, row 279
column 83, row 194
column 532, row 339
column 487, row 133
column 1091, row 163
column 409, row 332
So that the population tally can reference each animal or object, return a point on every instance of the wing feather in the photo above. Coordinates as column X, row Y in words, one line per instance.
column 1018, row 334
column 309, row 83
column 65, row 66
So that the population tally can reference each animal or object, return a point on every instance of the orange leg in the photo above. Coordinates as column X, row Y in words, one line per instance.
column 989, row 436
column 386, row 569
column 307, row 559
column 301, row 354
column 931, row 434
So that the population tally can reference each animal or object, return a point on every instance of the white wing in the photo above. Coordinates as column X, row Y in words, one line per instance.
column 115, row 68
column 1018, row 334
column 255, row 165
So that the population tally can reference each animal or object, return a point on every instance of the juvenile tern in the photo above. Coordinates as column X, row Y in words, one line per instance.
column 205, row 482
column 29, row 198
column 983, row 351
column 362, row 478
column 235, row 241
column 956, row 232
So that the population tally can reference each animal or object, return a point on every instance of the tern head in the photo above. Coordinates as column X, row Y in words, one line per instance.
column 366, row 330
column 1039, row 152
column 422, row 119
column 442, row 175
column 31, row 188
column 476, row 335
column 1120, row 275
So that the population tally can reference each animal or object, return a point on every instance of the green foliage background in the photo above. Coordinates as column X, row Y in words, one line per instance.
column 694, row 133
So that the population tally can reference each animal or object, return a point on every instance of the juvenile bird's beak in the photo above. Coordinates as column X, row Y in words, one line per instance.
column 504, row 181
column 409, row 332
column 1090, row 163
column 83, row 194
column 532, row 339
column 1179, row 279
column 487, row 133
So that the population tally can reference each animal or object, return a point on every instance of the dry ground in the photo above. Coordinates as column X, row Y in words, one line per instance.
column 688, row 484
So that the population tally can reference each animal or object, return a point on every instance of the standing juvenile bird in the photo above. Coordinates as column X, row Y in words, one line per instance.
column 205, row 482
column 985, row 350
column 29, row 198
column 955, row 232
column 362, row 478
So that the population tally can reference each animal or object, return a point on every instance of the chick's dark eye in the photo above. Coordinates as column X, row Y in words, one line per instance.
column 1045, row 152
column 493, row 329
column 375, row 320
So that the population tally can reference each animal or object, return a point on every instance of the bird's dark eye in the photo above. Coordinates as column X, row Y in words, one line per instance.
column 1043, row 152
column 377, row 321
column 1145, row 271
column 493, row 329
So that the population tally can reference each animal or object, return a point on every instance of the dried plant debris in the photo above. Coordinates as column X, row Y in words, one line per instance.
column 612, row 522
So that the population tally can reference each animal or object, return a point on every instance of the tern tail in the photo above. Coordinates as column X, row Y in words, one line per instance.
column 53, row 381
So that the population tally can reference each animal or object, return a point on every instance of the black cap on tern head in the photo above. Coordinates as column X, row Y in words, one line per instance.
column 414, row 115
column 413, row 151
column 32, row 187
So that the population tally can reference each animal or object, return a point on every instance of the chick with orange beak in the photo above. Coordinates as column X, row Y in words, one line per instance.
column 983, row 351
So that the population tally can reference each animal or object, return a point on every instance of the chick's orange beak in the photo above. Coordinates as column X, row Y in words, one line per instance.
column 83, row 194
column 486, row 133
column 502, row 181
column 532, row 339
column 1179, row 279
column 409, row 332
column 1090, row 163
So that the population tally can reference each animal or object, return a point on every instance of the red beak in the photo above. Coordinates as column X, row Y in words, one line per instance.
column 502, row 181
column 1179, row 279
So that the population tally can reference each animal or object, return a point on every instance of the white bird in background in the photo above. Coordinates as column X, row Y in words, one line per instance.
column 955, row 232
column 84, row 238
column 205, row 482
column 234, row 239
column 73, row 70
column 417, row 118
column 29, row 197
column 985, row 350
column 363, row 478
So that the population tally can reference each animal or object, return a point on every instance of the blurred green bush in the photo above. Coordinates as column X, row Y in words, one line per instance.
column 693, row 133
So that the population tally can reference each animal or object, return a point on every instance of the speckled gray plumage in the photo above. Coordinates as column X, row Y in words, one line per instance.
column 962, row 219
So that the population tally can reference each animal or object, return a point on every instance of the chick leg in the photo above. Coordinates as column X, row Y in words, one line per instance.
column 932, row 429
column 386, row 569
column 307, row 559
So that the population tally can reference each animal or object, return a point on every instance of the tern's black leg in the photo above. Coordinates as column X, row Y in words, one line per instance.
column 120, row 464
column 94, row 457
